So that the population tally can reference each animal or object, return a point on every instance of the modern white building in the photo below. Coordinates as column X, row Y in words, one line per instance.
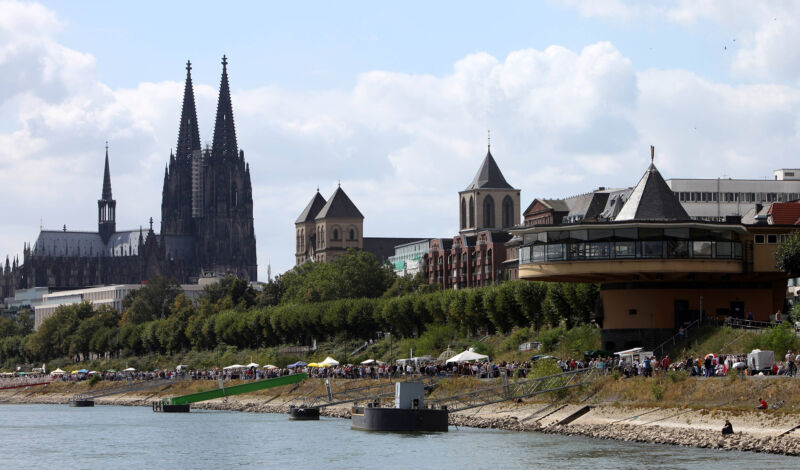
column 715, row 199
column 408, row 257
column 103, row 295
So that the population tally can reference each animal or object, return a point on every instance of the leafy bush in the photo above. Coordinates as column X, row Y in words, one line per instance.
column 93, row 380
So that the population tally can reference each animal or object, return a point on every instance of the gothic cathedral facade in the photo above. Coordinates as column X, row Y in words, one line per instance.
column 206, row 220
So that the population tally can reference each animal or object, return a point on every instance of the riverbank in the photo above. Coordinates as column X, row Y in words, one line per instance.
column 756, row 431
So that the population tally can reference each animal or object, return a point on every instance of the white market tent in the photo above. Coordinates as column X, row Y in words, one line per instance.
column 252, row 364
column 270, row 366
column 368, row 362
column 329, row 361
column 234, row 366
column 468, row 355
column 129, row 369
column 57, row 372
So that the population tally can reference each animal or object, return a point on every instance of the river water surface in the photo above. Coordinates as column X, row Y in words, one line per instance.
column 122, row 437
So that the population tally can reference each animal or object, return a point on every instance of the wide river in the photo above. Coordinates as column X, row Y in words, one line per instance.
column 121, row 437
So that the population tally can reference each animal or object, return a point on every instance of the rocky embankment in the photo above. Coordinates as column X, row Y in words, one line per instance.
column 755, row 432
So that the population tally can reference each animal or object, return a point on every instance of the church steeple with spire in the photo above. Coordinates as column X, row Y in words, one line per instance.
column 188, row 134
column 224, row 144
column 176, row 202
column 106, row 206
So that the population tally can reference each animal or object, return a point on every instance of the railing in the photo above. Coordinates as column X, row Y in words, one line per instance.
column 18, row 382
column 512, row 390
column 748, row 324
column 131, row 386
column 675, row 339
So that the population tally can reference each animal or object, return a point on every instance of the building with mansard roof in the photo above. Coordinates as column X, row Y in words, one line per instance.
column 206, row 220
column 658, row 268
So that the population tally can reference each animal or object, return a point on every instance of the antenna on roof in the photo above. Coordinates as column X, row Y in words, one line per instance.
column 489, row 139
column 652, row 153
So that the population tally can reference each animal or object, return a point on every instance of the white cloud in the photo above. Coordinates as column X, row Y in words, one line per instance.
column 764, row 36
column 563, row 122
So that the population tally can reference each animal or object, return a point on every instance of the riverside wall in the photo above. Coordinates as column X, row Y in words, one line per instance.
column 755, row 431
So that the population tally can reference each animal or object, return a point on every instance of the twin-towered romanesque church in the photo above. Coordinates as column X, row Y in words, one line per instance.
column 206, row 220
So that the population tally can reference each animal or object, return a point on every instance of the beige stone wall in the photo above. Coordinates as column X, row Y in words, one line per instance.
column 497, row 195
column 655, row 308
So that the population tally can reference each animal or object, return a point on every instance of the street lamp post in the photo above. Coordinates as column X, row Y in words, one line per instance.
column 389, row 336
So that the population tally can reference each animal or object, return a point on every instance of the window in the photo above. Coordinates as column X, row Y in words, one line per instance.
column 508, row 212
column 463, row 213
column 772, row 239
column 784, row 238
column 625, row 250
column 555, row 252
column 352, row 234
column 701, row 249
column 335, row 234
column 471, row 212
column 677, row 249
column 652, row 249
column 488, row 212
column 759, row 239
column 723, row 249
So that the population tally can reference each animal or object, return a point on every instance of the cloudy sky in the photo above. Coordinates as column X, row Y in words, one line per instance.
column 393, row 101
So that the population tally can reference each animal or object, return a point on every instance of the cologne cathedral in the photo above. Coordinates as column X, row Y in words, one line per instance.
column 206, row 220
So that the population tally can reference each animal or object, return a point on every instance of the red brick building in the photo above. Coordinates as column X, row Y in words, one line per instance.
column 477, row 256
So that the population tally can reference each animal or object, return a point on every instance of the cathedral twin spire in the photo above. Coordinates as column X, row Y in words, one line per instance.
column 224, row 143
column 188, row 135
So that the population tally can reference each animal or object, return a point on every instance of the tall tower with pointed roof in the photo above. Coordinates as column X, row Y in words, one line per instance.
column 177, row 195
column 306, row 230
column 225, row 234
column 106, row 206
column 489, row 202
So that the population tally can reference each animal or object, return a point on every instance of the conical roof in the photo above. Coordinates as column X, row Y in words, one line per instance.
column 188, row 133
column 652, row 199
column 489, row 175
column 224, row 144
column 339, row 206
column 312, row 209
column 106, row 180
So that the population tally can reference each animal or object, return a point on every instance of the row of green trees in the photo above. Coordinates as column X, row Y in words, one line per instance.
column 78, row 330
column 314, row 301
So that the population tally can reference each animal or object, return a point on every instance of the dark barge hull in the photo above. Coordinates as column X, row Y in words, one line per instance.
column 81, row 403
column 398, row 420
column 164, row 408
column 301, row 413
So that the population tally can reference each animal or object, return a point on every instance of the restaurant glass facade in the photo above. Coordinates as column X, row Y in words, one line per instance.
column 603, row 243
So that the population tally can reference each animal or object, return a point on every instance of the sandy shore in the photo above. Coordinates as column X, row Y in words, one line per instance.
column 755, row 431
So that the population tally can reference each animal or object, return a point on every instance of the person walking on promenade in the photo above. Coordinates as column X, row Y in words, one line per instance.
column 790, row 365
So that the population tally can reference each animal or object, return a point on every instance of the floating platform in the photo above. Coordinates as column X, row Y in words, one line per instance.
column 165, row 408
column 81, row 403
column 409, row 413
column 368, row 418
column 302, row 413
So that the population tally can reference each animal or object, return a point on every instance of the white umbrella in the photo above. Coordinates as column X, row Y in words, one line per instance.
column 57, row 372
column 129, row 369
column 234, row 366
column 270, row 366
column 468, row 355
column 369, row 361
column 252, row 364
column 329, row 361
